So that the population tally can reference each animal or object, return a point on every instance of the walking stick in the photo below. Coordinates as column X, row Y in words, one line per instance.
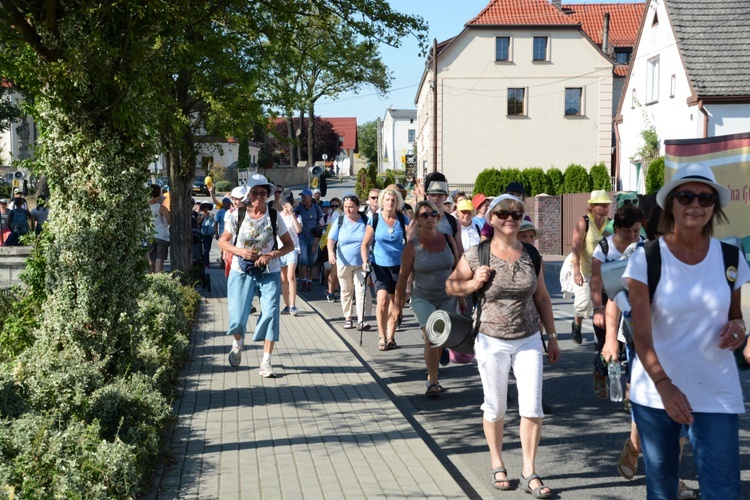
column 364, row 298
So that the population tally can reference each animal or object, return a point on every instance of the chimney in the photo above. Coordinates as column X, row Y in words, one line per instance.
column 557, row 3
column 605, row 34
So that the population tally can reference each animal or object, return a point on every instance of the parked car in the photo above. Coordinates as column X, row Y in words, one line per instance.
column 199, row 185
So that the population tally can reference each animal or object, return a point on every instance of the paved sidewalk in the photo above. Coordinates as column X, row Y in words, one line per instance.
column 323, row 428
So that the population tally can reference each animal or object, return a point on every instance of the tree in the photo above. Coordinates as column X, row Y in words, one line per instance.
column 367, row 140
column 556, row 181
column 600, row 178
column 326, row 139
column 576, row 179
column 655, row 176
column 8, row 110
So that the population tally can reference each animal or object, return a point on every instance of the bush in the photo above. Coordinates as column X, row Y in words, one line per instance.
column 389, row 179
column 556, row 181
column 489, row 182
column 536, row 182
column 600, row 178
column 576, row 179
column 655, row 176
column 223, row 186
column 364, row 184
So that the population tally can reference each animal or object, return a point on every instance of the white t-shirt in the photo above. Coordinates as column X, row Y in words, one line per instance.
column 612, row 252
column 469, row 236
column 689, row 308
column 256, row 233
column 289, row 222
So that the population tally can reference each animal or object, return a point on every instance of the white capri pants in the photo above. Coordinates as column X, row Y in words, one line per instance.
column 351, row 280
column 582, row 305
column 495, row 358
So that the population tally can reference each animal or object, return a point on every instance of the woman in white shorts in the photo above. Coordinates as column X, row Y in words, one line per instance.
column 289, row 261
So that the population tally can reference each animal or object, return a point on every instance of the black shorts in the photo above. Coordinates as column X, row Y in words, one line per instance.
column 385, row 278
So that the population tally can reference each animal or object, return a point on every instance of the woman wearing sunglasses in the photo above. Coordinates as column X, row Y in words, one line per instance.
column 515, row 300
column 685, row 372
column 431, row 257
column 344, row 254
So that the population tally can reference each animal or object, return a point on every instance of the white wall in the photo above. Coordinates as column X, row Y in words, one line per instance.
column 474, row 131
column 396, row 139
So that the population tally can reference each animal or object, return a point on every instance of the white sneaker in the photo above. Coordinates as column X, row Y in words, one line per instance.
column 293, row 311
column 266, row 370
column 235, row 355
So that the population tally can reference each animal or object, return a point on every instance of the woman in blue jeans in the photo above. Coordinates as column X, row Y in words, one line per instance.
column 685, row 373
column 255, row 266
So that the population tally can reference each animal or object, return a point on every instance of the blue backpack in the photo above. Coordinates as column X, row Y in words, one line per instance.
column 207, row 226
column 18, row 220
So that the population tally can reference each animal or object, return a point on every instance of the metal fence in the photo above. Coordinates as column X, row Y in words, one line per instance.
column 466, row 187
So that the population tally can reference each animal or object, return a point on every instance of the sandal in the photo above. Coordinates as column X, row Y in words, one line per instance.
column 433, row 391
column 347, row 324
column 495, row 480
column 382, row 345
column 627, row 465
column 600, row 385
column 685, row 492
column 537, row 492
column 392, row 345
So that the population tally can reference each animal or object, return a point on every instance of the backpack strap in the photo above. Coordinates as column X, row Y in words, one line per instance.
column 274, row 216
column 604, row 244
column 536, row 258
column 586, row 218
column 483, row 251
column 653, row 266
column 240, row 218
column 731, row 256
column 402, row 223
column 453, row 223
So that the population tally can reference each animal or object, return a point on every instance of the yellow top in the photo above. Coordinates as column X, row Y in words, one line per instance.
column 593, row 236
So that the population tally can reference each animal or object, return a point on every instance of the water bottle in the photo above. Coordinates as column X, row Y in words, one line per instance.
column 615, row 385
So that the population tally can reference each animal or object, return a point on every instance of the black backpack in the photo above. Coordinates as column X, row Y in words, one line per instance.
column 401, row 222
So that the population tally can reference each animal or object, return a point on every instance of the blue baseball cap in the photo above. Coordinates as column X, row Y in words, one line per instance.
column 326, row 203
column 306, row 192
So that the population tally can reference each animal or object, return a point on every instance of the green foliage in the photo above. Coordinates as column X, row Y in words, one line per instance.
column 223, row 187
column 367, row 140
column 489, row 182
column 536, row 182
column 649, row 150
column 600, row 178
column 389, row 179
column 556, row 181
column 576, row 179
column 364, row 183
column 655, row 176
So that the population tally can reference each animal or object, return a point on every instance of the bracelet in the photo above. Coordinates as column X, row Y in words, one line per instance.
column 552, row 335
column 661, row 380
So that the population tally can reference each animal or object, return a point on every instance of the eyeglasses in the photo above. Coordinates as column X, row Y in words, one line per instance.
column 278, row 192
column 352, row 198
column 704, row 199
column 504, row 214
column 259, row 194
column 629, row 201
column 335, row 206
column 427, row 215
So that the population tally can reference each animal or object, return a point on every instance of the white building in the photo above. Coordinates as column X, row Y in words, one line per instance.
column 526, row 83
column 690, row 78
column 398, row 136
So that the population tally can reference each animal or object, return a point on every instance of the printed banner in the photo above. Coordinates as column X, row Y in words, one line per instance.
column 729, row 158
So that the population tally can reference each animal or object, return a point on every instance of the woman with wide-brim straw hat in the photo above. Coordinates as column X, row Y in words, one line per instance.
column 588, row 232
column 685, row 328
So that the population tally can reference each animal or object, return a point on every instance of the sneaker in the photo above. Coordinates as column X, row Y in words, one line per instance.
column 286, row 310
column 445, row 357
column 235, row 355
column 576, row 329
column 293, row 311
column 266, row 371
column 365, row 326
column 330, row 297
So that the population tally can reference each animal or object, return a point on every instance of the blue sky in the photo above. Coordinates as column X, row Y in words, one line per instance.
column 446, row 18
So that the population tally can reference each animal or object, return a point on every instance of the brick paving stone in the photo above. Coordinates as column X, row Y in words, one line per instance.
column 324, row 428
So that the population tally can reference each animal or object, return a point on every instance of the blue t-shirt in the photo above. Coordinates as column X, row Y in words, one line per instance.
column 348, row 240
column 220, row 220
column 389, row 242
column 310, row 219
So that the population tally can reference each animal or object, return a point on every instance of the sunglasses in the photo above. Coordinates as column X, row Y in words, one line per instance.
column 704, row 199
column 277, row 192
column 259, row 194
column 335, row 206
column 373, row 197
column 504, row 214
column 427, row 215
column 630, row 201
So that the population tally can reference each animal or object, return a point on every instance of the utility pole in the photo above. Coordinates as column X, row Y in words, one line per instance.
column 434, row 104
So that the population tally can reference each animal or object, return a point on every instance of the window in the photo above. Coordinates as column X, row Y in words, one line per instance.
column 412, row 134
column 672, row 85
column 516, row 101
column 540, row 48
column 652, row 80
column 502, row 48
column 573, row 101
column 623, row 57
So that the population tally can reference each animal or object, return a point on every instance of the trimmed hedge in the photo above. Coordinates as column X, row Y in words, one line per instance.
column 655, row 176
column 576, row 180
column 600, row 178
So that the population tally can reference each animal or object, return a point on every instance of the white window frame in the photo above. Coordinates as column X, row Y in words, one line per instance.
column 547, row 53
column 582, row 103
column 411, row 135
column 652, row 80
column 510, row 49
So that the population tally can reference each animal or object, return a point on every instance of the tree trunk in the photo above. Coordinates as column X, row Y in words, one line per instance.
column 299, row 135
column 311, row 135
column 292, row 140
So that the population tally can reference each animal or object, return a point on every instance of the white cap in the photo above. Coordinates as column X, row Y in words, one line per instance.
column 239, row 192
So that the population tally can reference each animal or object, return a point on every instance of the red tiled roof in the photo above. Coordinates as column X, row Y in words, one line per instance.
column 621, row 70
column 521, row 12
column 624, row 20
column 347, row 130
